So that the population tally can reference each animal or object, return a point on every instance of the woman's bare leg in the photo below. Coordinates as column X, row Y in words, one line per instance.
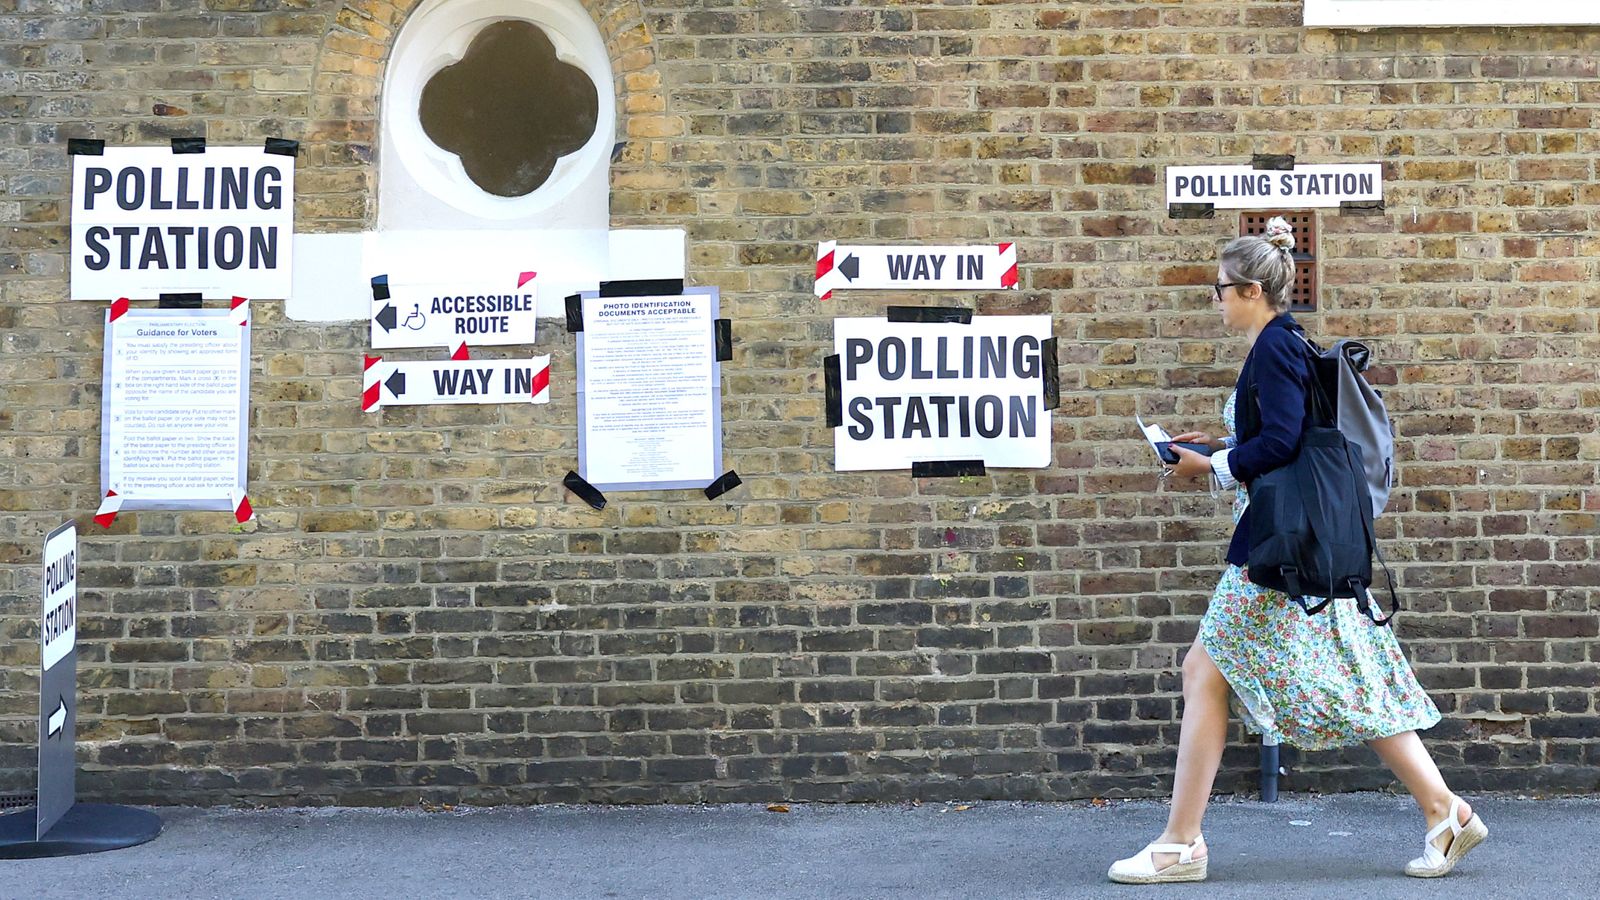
column 1408, row 758
column 1200, row 742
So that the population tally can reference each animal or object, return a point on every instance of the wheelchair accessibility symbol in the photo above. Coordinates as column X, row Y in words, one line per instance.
column 416, row 321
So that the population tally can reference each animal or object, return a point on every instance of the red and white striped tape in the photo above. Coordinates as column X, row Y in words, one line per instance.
column 112, row 504
column 541, row 385
column 369, row 382
column 824, row 266
column 239, row 312
column 242, row 510
column 119, row 308
column 1008, row 266
column 109, row 507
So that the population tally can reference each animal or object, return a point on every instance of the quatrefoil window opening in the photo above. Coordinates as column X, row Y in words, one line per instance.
column 509, row 108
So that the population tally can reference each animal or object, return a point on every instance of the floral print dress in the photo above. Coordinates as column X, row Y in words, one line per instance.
column 1315, row 681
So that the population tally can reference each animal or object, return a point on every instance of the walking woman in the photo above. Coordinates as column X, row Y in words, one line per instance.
column 1319, row 681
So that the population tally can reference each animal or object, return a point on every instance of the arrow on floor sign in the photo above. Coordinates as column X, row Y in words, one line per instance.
column 58, row 719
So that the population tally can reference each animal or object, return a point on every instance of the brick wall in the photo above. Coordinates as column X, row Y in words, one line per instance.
column 419, row 610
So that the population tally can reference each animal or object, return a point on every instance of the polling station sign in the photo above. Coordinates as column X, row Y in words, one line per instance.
column 147, row 221
column 1303, row 187
column 938, row 391
column 58, row 678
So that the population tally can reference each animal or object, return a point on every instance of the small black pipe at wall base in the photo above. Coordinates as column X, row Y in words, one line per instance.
column 1269, row 772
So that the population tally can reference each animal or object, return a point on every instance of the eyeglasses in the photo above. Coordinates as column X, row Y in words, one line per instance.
column 1219, row 288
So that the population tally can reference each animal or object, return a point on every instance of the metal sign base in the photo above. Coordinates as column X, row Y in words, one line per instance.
column 86, row 828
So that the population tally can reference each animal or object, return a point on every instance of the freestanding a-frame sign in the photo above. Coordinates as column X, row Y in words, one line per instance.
column 60, row 826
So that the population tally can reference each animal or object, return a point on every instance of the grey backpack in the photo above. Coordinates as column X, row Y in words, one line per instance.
column 1359, row 412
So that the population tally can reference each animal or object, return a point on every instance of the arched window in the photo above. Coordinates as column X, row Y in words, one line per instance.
column 510, row 109
column 496, row 114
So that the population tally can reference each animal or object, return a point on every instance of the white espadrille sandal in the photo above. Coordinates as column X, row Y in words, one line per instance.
column 1433, row 863
column 1140, row 868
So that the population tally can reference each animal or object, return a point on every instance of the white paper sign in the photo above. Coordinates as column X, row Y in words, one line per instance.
column 1154, row 434
column 924, row 392
column 983, row 267
column 1304, row 187
column 1410, row 13
column 58, row 623
column 450, row 382
column 649, row 392
column 450, row 314
column 146, row 221
column 175, row 410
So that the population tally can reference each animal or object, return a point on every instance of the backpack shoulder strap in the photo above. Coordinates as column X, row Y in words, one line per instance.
column 1318, row 401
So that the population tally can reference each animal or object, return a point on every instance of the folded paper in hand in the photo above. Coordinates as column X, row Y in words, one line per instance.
column 1163, row 443
column 1155, row 434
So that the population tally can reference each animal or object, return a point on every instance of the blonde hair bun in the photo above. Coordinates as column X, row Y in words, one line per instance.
column 1279, row 233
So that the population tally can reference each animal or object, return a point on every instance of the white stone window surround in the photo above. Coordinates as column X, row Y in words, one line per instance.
column 421, row 185
column 434, row 221
column 1443, row 13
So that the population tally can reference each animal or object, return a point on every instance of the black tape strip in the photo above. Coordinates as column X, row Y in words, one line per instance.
column 616, row 150
column 86, row 147
column 1051, row 361
column 179, row 301
column 728, row 481
column 574, row 313
column 282, row 146
column 947, row 468
column 1360, row 207
column 586, row 492
column 1191, row 211
column 959, row 315
column 833, row 390
column 643, row 287
column 1273, row 162
column 380, row 287
column 722, row 329
column 188, row 145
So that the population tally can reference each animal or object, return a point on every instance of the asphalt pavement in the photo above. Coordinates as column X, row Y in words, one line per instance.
column 1351, row 845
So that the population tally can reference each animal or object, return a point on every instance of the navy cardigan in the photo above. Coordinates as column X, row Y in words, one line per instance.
column 1269, row 413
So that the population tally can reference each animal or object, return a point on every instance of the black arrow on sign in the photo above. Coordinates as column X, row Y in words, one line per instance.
column 386, row 317
column 396, row 383
column 58, row 719
column 850, row 268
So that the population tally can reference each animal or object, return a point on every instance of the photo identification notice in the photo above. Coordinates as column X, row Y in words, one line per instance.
column 175, row 408
column 927, row 392
column 649, row 392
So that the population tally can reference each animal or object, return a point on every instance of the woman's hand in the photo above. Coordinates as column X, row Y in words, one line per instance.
column 1190, row 464
column 1200, row 437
